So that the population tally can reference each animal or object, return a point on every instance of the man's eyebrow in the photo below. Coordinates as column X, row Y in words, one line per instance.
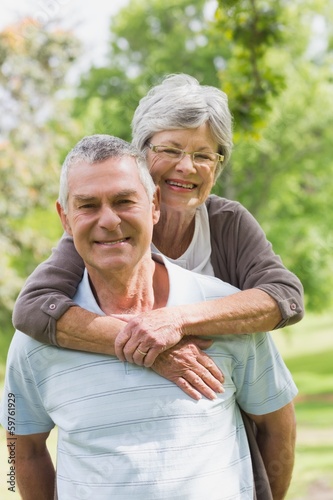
column 126, row 192
column 83, row 197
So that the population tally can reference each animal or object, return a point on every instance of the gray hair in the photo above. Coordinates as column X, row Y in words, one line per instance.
column 96, row 149
column 181, row 102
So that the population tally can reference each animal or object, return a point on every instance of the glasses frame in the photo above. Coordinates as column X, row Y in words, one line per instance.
column 153, row 147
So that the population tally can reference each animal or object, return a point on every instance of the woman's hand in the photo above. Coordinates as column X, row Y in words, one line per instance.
column 180, row 360
column 147, row 335
column 190, row 368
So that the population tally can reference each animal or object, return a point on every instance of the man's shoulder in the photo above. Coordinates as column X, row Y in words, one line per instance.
column 214, row 287
column 193, row 287
column 23, row 345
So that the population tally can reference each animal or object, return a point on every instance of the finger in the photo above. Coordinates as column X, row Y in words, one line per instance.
column 139, row 356
column 211, row 368
column 209, row 364
column 118, row 349
column 151, row 356
column 120, row 344
column 188, row 389
column 131, row 353
column 204, row 383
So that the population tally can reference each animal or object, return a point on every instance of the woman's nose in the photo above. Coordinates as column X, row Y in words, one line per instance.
column 186, row 165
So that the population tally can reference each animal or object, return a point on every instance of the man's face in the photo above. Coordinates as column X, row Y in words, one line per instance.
column 109, row 214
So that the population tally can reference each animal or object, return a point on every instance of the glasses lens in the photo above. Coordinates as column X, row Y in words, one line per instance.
column 174, row 153
column 209, row 159
column 201, row 158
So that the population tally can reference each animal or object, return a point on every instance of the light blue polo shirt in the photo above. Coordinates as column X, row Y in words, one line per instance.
column 124, row 432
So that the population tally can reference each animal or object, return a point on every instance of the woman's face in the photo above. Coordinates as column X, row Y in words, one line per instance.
column 182, row 184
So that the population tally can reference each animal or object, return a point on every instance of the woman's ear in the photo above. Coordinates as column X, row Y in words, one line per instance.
column 63, row 218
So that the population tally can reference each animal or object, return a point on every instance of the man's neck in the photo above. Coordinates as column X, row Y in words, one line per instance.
column 146, row 288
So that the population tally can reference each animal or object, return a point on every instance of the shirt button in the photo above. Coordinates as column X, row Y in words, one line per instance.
column 52, row 307
column 293, row 307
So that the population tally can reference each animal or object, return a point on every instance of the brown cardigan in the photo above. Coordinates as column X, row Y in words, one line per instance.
column 241, row 256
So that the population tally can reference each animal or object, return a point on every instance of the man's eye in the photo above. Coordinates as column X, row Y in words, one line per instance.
column 125, row 202
column 87, row 205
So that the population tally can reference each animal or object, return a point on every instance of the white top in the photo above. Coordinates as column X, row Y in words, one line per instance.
column 124, row 432
column 197, row 257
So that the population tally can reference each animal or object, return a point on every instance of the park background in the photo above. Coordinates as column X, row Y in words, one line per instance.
column 274, row 59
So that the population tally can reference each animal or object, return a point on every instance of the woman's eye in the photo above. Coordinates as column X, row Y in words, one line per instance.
column 202, row 156
column 172, row 152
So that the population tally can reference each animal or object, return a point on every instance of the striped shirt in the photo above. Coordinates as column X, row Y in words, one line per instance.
column 124, row 432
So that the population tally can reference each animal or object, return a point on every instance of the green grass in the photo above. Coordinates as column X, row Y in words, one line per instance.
column 313, row 466
column 314, row 414
column 308, row 351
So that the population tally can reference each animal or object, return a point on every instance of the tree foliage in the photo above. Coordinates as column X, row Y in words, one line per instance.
column 147, row 41
column 282, row 164
column 33, row 66
column 252, row 30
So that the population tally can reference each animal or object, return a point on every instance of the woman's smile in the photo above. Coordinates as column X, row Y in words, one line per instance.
column 180, row 184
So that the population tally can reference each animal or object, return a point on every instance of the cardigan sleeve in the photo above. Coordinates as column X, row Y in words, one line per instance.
column 47, row 293
column 242, row 256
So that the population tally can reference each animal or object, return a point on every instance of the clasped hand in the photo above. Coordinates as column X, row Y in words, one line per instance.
column 150, row 333
column 155, row 340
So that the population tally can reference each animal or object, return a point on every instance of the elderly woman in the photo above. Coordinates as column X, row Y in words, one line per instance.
column 185, row 130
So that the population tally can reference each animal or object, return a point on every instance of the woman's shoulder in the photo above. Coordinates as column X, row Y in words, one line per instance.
column 218, row 205
column 229, row 218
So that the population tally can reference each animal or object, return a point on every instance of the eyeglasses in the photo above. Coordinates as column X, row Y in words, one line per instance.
column 201, row 159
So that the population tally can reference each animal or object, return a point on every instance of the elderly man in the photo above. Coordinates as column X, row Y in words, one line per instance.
column 124, row 432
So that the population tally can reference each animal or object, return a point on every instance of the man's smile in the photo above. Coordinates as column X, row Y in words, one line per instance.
column 112, row 243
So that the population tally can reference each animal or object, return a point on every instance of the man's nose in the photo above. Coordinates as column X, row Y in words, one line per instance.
column 109, row 218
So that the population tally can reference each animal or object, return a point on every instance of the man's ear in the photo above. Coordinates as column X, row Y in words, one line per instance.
column 156, row 205
column 64, row 219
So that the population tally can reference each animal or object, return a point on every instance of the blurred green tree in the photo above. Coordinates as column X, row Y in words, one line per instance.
column 147, row 41
column 265, row 56
column 279, row 80
column 35, row 130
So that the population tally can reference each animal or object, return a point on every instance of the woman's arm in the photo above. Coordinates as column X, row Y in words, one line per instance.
column 243, row 257
column 45, row 311
column 47, row 293
column 249, row 311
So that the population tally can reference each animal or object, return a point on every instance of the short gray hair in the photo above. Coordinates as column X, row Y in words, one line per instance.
column 96, row 149
column 181, row 102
